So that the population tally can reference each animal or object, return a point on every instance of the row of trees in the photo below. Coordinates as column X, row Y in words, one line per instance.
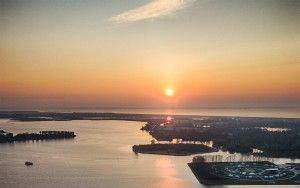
column 43, row 135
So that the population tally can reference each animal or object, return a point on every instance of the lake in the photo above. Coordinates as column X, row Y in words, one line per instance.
column 100, row 156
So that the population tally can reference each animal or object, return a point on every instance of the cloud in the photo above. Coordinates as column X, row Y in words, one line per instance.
column 152, row 10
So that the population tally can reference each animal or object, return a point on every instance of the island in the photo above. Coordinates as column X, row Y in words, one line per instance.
column 42, row 135
column 173, row 149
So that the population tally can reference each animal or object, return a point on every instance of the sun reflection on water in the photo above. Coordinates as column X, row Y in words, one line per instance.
column 167, row 172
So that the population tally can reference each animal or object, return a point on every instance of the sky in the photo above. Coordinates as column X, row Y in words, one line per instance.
column 117, row 53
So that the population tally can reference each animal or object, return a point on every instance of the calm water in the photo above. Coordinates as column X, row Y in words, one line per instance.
column 100, row 156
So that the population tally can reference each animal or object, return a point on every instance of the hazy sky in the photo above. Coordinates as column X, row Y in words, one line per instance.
column 126, row 53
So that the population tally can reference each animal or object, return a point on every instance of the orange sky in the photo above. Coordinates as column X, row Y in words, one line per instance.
column 209, row 53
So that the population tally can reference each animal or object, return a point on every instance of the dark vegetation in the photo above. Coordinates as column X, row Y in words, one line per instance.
column 240, row 135
column 42, row 135
column 172, row 149
column 67, row 116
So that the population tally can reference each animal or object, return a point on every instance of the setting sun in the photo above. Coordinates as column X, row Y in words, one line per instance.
column 169, row 92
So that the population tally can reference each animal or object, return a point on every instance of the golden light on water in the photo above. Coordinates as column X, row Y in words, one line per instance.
column 168, row 174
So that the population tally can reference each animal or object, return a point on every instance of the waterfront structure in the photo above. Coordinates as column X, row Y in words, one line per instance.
column 256, row 173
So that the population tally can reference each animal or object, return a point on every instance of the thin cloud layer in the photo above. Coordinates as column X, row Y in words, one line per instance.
column 152, row 10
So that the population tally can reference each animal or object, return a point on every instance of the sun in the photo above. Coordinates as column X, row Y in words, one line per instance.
column 169, row 92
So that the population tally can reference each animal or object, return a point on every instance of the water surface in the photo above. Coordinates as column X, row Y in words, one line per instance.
column 100, row 156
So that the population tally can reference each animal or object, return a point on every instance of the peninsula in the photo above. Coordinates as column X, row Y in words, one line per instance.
column 173, row 149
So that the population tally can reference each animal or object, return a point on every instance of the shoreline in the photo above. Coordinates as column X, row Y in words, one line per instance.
column 232, row 134
column 68, row 116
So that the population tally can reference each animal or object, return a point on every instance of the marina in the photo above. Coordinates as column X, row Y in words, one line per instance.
column 246, row 173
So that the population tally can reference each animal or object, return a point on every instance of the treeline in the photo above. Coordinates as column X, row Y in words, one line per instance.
column 42, row 135
column 67, row 116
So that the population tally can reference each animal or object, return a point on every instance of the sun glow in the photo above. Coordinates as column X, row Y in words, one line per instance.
column 169, row 92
